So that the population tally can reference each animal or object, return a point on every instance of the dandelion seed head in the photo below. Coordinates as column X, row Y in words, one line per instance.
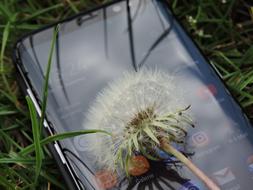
column 129, row 101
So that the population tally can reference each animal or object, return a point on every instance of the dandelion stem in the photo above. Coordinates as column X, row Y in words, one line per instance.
column 170, row 149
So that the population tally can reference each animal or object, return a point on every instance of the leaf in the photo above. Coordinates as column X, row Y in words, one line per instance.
column 72, row 6
column 2, row 69
column 37, row 126
column 16, row 174
column 17, row 160
column 10, row 128
column 36, row 138
column 7, row 112
column 247, row 79
column 5, row 183
column 53, row 179
column 227, row 60
column 58, row 137
column 248, row 57
column 5, row 11
column 4, row 42
column 10, row 140
column 45, row 87
column 43, row 11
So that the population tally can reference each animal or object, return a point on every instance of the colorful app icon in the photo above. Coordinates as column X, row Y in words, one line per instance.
column 224, row 176
column 250, row 163
column 200, row 139
column 138, row 165
column 190, row 185
column 106, row 179
column 206, row 92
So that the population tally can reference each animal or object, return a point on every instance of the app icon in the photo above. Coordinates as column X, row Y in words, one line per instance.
column 138, row 165
column 224, row 176
column 106, row 179
column 200, row 139
column 81, row 143
column 207, row 91
column 190, row 185
column 250, row 163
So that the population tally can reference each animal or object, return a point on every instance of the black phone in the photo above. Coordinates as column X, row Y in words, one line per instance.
column 97, row 47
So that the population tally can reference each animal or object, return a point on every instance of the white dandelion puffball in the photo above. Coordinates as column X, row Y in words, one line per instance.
column 120, row 102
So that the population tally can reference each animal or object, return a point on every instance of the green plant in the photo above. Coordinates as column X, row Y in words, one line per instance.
column 222, row 30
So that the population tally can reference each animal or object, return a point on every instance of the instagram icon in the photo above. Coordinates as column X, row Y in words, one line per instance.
column 200, row 139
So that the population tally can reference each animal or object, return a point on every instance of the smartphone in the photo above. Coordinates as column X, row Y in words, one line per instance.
column 97, row 47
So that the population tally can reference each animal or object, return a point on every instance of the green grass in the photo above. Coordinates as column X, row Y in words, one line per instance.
column 224, row 31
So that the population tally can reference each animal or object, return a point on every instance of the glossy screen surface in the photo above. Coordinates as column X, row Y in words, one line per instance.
column 95, row 49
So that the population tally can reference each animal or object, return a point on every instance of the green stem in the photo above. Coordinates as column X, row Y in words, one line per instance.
column 170, row 149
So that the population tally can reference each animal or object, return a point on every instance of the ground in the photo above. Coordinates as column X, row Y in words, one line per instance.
column 222, row 28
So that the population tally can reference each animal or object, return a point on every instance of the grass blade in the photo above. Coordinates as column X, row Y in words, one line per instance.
column 58, row 137
column 36, row 138
column 5, row 183
column 5, row 37
column 43, row 11
column 45, row 87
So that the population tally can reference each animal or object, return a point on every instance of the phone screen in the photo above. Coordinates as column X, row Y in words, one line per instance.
column 96, row 49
